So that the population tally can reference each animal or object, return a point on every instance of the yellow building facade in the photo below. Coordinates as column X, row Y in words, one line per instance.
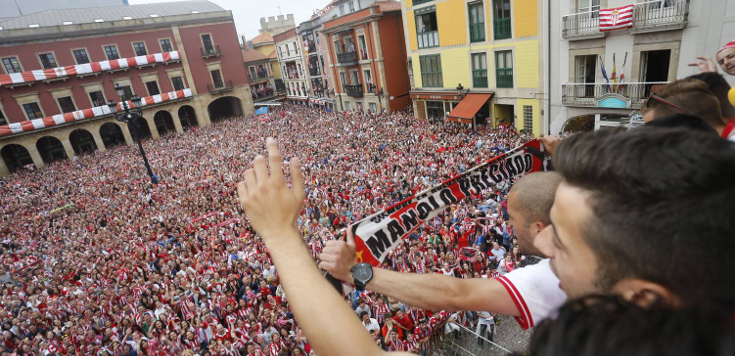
column 487, row 52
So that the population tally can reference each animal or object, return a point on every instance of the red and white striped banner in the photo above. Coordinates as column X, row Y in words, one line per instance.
column 88, row 68
column 30, row 125
column 616, row 18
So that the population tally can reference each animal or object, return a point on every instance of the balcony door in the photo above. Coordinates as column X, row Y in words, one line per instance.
column 654, row 70
column 586, row 68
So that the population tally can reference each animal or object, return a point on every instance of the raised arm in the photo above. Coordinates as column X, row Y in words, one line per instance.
column 272, row 208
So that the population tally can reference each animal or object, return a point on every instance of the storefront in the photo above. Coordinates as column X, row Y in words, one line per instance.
column 434, row 106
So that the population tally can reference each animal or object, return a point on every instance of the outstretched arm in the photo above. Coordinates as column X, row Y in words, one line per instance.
column 272, row 208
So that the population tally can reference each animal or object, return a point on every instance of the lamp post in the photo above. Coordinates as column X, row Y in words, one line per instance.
column 380, row 99
column 462, row 93
column 132, row 116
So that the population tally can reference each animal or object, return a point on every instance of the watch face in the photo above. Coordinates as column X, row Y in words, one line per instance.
column 362, row 272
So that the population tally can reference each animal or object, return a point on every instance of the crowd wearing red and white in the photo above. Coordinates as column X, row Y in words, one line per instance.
column 96, row 261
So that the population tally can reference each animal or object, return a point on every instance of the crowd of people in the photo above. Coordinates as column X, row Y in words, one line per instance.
column 96, row 261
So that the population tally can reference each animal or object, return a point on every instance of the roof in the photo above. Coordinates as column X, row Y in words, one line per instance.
column 272, row 55
column 262, row 38
column 252, row 55
column 285, row 35
column 109, row 13
column 386, row 6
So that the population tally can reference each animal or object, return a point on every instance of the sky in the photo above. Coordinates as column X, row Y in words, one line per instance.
column 247, row 13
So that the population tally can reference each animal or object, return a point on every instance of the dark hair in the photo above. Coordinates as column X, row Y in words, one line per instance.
column 663, row 203
column 691, row 95
column 683, row 121
column 362, row 315
column 611, row 326
column 719, row 87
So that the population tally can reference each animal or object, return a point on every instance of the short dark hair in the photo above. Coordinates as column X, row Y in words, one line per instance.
column 719, row 87
column 590, row 326
column 689, row 94
column 363, row 314
column 663, row 204
column 683, row 121
column 535, row 194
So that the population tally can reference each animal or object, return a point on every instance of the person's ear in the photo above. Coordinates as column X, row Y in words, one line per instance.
column 645, row 293
column 536, row 227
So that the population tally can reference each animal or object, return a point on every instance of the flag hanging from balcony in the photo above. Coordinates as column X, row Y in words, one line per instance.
column 616, row 18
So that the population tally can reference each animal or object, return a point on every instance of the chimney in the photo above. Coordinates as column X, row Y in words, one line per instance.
column 244, row 42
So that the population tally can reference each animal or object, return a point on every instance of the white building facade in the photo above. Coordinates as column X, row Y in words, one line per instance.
column 293, row 71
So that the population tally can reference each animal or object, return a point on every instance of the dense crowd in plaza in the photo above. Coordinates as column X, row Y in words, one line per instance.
column 96, row 261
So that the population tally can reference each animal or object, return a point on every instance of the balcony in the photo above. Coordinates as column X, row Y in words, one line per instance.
column 504, row 77
column 347, row 58
column 219, row 87
column 479, row 78
column 354, row 91
column 502, row 28
column 258, row 76
column 311, row 47
column 477, row 32
column 583, row 25
column 651, row 16
column 608, row 95
column 428, row 39
column 314, row 72
column 211, row 51
column 662, row 15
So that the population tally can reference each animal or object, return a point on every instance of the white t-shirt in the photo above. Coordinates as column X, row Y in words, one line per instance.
column 535, row 292
column 372, row 326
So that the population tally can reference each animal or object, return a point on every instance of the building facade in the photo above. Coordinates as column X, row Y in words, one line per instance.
column 482, row 58
column 664, row 38
column 58, row 76
column 365, row 40
column 316, row 57
column 15, row 8
column 288, row 50
column 260, row 75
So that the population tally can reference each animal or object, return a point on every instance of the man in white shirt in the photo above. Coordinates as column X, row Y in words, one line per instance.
column 369, row 323
column 530, row 296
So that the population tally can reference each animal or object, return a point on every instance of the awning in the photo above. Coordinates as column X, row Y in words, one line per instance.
column 468, row 107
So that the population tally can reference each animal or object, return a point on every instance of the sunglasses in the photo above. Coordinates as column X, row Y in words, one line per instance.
column 663, row 101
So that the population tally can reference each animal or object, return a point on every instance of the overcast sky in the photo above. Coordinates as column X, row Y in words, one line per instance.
column 247, row 13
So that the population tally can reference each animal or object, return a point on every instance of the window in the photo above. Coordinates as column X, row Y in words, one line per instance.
column 80, row 55
column 166, row 45
column 351, row 6
column 416, row 2
column 33, row 111
column 217, row 78
column 368, row 80
column 127, row 91
column 139, row 48
column 504, row 71
column 2, row 118
column 66, row 104
column 152, row 88
column 528, row 118
column 97, row 98
column 12, row 65
column 501, row 19
column 426, row 27
column 477, row 22
column 47, row 60
column 66, row 23
column 373, row 107
column 342, row 78
column 178, row 83
column 431, row 71
column 479, row 70
column 207, row 42
column 589, row 6
column 363, row 47
column 111, row 52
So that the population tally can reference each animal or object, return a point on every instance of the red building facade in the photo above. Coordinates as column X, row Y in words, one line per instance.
column 368, row 58
column 190, row 48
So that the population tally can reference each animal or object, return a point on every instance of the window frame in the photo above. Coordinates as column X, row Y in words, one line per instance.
column 425, row 63
column 221, row 77
column 86, row 53
column 497, row 17
column 480, row 16
column 528, row 120
column 53, row 56
column 25, row 111
column 477, row 70
column 5, row 69
column 158, row 87
column 498, row 68
column 107, row 56
column 135, row 51
column 173, row 84
column 211, row 40
column 61, row 107
column 170, row 43
column 3, row 117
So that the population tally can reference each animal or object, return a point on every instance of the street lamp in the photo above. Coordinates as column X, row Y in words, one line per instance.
column 461, row 92
column 132, row 116
column 380, row 99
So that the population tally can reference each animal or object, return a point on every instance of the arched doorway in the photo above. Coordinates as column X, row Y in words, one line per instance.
column 111, row 134
column 50, row 149
column 82, row 141
column 224, row 107
column 15, row 156
column 145, row 130
column 164, row 122
column 579, row 124
column 187, row 116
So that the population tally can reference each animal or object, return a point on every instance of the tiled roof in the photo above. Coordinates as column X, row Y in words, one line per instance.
column 109, row 13
column 262, row 38
column 386, row 6
column 252, row 55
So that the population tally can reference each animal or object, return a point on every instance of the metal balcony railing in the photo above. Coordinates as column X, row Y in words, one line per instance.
column 210, row 51
column 660, row 15
column 258, row 76
column 477, row 32
column 582, row 24
column 428, row 39
column 479, row 78
column 504, row 77
column 588, row 94
column 354, row 90
column 219, row 86
column 347, row 57
column 502, row 28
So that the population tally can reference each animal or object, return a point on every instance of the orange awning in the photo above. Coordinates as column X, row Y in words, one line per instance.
column 468, row 107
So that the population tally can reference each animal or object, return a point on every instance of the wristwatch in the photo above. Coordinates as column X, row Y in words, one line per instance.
column 363, row 274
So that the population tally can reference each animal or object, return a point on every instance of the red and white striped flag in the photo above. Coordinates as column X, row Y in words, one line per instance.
column 616, row 18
